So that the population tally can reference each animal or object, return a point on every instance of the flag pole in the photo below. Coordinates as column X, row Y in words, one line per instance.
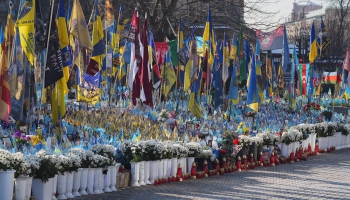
column 47, row 46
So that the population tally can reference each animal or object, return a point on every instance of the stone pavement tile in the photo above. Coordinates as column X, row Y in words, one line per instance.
column 325, row 176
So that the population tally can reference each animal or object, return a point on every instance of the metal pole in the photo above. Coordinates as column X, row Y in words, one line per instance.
column 47, row 46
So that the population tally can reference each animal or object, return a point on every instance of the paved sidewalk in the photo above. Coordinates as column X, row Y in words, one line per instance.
column 326, row 176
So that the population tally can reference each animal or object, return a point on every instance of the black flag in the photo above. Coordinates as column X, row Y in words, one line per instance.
column 54, row 65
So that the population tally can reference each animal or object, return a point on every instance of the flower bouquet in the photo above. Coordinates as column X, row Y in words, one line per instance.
column 49, row 165
column 311, row 106
column 85, row 156
column 5, row 160
column 194, row 149
column 107, row 151
column 21, row 140
column 24, row 165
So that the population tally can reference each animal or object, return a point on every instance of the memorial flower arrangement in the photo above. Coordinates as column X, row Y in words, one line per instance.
column 208, row 153
column 5, row 160
column 344, row 129
column 85, row 156
column 49, row 165
column 99, row 161
column 268, row 138
column 290, row 136
column 245, row 140
column 21, row 139
column 311, row 106
column 75, row 162
column 194, row 149
column 107, row 151
column 169, row 150
column 22, row 165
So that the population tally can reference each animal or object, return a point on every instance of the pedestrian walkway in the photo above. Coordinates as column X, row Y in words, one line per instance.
column 326, row 176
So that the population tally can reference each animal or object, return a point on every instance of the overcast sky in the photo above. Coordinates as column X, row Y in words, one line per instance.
column 285, row 7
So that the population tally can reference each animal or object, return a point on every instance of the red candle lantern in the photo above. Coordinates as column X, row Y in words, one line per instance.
column 272, row 159
column 291, row 156
column 205, row 168
column 179, row 172
column 239, row 163
column 193, row 170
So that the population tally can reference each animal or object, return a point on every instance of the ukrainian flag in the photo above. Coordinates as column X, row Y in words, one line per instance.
column 98, row 51
column 234, row 84
column 169, row 75
column 253, row 94
column 313, row 45
column 233, row 50
column 25, row 25
column 208, row 38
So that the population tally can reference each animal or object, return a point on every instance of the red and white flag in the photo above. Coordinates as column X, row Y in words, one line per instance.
column 135, row 57
column 145, row 78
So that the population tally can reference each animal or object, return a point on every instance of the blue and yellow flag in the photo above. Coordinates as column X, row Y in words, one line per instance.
column 25, row 24
column 217, row 75
column 233, row 50
column 285, row 53
column 234, row 84
column 98, row 42
column 313, row 44
column 253, row 94
column 225, row 62
column 193, row 105
column 78, row 26
column 258, row 65
column 168, row 74
column 208, row 38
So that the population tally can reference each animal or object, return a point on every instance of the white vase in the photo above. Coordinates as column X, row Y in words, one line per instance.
column 284, row 150
column 305, row 143
column 295, row 146
column 343, row 141
column 107, row 180
column 54, row 188
column 153, row 171
column 147, row 173
column 337, row 137
column 76, row 182
column 83, row 181
column 190, row 161
column 69, row 185
column 6, row 184
column 142, row 173
column 160, row 169
column 20, row 188
column 29, row 182
column 90, row 181
column 184, row 165
column 97, row 180
column 322, row 143
column 62, row 185
column 347, row 141
column 165, row 167
column 168, row 171
column 41, row 190
column 330, row 141
column 312, row 137
column 135, row 170
column 102, row 182
column 174, row 164
column 113, row 177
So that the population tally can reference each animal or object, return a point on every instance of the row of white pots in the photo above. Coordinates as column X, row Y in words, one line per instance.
column 338, row 140
column 286, row 149
column 67, row 185
column 146, row 172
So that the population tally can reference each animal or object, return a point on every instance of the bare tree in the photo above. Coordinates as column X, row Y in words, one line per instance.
column 338, row 26
column 228, row 13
